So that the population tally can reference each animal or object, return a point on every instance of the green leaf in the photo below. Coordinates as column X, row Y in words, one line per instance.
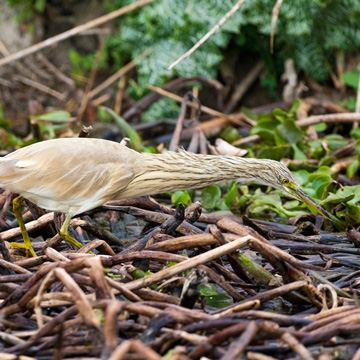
column 271, row 202
column 5, row 123
column 74, row 57
column 327, row 161
column 315, row 143
column 103, row 115
column 181, row 196
column 250, row 113
column 342, row 196
column 290, row 132
column 210, row 196
column 280, row 114
column 138, row 274
column 355, row 133
column 1, row 112
column 295, row 107
column 301, row 177
column 320, row 127
column 356, row 191
column 39, row 5
column 230, row 134
column 320, row 171
column 274, row 152
column 231, row 194
column 207, row 290
column 55, row 116
column 353, row 214
column 126, row 128
column 243, row 201
column 291, row 205
column 320, row 181
column 298, row 154
column 149, row 150
column 219, row 301
column 353, row 168
column 349, row 103
column 265, row 128
column 320, row 184
column 221, row 205
column 279, row 141
column 12, row 140
column 335, row 141
column 351, row 78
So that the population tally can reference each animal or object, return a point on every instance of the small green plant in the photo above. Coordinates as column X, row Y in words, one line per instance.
column 50, row 122
column 351, row 79
column 181, row 196
column 282, row 137
column 82, row 64
column 7, row 139
column 213, row 298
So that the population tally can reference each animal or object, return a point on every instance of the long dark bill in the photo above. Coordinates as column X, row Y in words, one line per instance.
column 311, row 202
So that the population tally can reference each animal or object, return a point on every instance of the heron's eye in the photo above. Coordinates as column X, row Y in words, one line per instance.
column 285, row 181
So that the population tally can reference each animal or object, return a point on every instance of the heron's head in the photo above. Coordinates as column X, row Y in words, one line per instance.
column 280, row 177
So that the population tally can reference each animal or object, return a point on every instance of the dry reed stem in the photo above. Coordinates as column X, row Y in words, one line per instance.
column 231, row 12
column 42, row 221
column 231, row 118
column 188, row 264
column 140, row 310
column 298, row 348
column 238, row 346
column 74, row 31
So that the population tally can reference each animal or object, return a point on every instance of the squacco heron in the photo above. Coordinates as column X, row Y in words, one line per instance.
column 78, row 174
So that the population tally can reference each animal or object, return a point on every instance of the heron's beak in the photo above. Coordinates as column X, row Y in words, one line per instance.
column 310, row 202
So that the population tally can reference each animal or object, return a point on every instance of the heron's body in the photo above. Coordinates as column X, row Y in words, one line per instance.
column 69, row 174
column 78, row 174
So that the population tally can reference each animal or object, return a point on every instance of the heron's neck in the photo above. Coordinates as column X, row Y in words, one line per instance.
column 173, row 171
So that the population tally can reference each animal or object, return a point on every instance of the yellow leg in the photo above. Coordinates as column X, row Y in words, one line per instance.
column 27, row 243
column 65, row 234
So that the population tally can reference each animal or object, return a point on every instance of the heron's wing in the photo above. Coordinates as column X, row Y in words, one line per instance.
column 82, row 173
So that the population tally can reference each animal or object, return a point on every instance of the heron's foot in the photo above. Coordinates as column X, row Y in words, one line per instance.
column 17, row 203
column 65, row 235
column 28, row 248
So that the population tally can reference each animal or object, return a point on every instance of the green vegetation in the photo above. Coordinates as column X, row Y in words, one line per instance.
column 311, row 32
column 282, row 138
column 213, row 298
column 27, row 9
column 351, row 79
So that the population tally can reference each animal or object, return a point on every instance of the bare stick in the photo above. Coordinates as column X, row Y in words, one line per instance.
column 234, row 119
column 298, row 348
column 125, row 69
column 312, row 120
column 203, row 39
column 30, row 226
column 51, row 67
column 329, row 118
column 76, row 30
column 90, row 83
column 275, row 15
column 245, row 84
column 40, row 87
column 190, row 263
